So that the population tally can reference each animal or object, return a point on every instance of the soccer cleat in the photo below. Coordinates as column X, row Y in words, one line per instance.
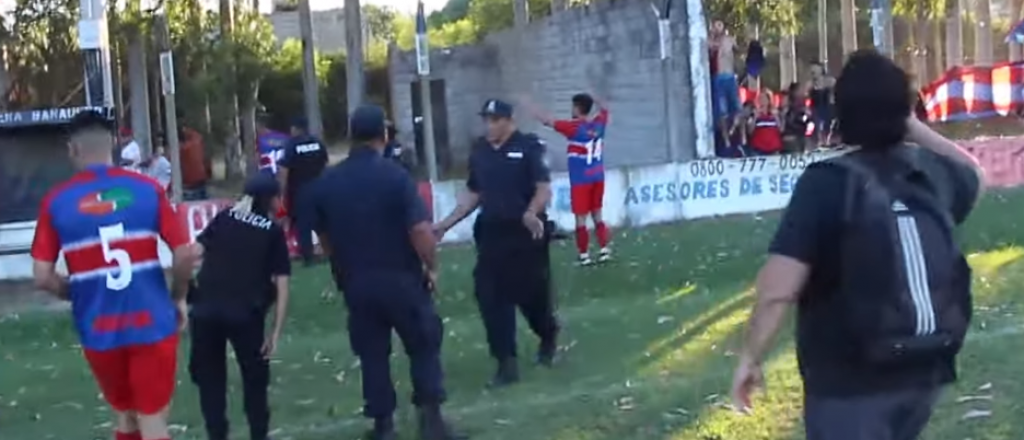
column 605, row 255
column 585, row 260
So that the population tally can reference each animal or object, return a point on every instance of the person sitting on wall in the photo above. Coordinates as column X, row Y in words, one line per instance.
column 764, row 134
column 796, row 118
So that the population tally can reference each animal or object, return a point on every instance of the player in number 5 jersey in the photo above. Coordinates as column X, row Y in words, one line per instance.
column 108, row 223
column 586, row 170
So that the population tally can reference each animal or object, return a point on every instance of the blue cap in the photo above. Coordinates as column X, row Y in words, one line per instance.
column 496, row 108
column 367, row 122
column 262, row 185
column 300, row 122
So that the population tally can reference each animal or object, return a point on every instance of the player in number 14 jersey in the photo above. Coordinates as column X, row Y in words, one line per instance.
column 108, row 222
column 586, row 170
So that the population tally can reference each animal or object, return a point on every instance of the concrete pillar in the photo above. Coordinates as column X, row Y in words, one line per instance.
column 354, row 61
column 94, row 43
column 521, row 11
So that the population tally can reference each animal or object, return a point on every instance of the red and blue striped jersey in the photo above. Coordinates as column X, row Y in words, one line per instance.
column 108, row 222
column 586, row 142
column 270, row 148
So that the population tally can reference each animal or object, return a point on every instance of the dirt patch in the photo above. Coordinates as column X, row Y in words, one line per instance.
column 21, row 296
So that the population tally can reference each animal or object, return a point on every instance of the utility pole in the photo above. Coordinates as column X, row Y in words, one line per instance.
column 310, row 87
column 665, row 48
column 170, row 105
column 426, row 101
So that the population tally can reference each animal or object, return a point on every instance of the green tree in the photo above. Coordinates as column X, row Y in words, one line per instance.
column 456, row 33
column 491, row 16
column 452, row 11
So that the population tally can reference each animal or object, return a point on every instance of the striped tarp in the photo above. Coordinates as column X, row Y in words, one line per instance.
column 964, row 93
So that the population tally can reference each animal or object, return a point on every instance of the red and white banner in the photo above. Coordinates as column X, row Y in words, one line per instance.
column 965, row 93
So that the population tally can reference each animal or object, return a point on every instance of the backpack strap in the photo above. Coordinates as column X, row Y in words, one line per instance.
column 859, row 177
column 919, row 181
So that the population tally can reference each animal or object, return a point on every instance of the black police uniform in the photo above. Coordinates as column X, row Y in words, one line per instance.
column 234, row 290
column 513, row 270
column 305, row 157
column 366, row 206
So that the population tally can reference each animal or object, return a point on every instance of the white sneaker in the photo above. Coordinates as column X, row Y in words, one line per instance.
column 605, row 255
column 585, row 260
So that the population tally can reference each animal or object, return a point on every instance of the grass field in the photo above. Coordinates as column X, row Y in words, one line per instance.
column 648, row 351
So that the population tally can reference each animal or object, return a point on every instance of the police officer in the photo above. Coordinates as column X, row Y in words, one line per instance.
column 510, row 183
column 382, row 250
column 245, row 271
column 303, row 159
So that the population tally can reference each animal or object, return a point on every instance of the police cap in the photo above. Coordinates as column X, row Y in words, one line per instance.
column 496, row 108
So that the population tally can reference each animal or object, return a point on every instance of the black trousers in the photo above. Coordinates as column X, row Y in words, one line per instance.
column 512, row 271
column 379, row 304
column 897, row 415
column 208, row 368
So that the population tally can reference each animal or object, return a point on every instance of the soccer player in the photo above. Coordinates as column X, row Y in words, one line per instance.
column 586, row 170
column 108, row 221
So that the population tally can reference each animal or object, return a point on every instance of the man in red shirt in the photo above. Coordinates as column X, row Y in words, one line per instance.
column 108, row 222
column 585, row 159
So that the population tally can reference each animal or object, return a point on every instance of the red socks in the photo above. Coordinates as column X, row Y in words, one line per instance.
column 127, row 436
column 602, row 234
column 582, row 239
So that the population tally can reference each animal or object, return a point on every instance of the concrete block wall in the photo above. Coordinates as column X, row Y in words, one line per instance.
column 610, row 49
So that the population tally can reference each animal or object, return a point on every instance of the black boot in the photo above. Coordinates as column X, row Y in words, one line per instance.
column 433, row 426
column 548, row 350
column 507, row 374
column 383, row 429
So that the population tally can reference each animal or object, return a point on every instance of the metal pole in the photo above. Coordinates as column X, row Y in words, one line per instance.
column 310, row 87
column 170, row 106
column 426, row 100
column 428, row 128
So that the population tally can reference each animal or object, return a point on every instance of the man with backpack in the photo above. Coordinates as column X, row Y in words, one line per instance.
column 866, row 251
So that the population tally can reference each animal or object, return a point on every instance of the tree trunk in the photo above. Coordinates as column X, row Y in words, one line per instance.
column 849, row 26
column 921, row 49
column 983, row 33
column 937, row 49
column 787, row 61
column 955, row 10
column 232, row 147
column 1016, row 51
column 247, row 108
column 138, row 89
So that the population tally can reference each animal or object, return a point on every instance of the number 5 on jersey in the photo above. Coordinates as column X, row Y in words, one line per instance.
column 123, row 277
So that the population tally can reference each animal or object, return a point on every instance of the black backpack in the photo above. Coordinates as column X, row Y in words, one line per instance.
column 904, row 289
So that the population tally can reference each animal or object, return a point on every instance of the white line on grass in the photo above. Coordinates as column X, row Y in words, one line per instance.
column 573, row 392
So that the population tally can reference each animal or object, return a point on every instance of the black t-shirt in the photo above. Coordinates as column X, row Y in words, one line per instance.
column 243, row 252
column 506, row 177
column 366, row 206
column 809, row 232
column 305, row 158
